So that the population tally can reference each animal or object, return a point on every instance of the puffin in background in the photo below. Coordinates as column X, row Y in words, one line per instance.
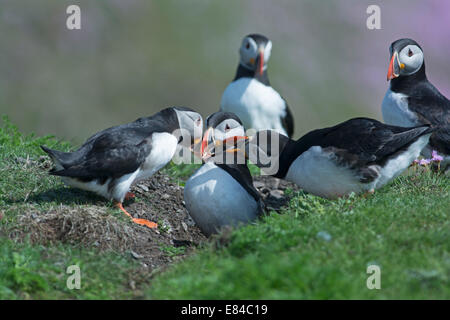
column 250, row 95
column 412, row 100
column 110, row 161
column 358, row 155
column 220, row 193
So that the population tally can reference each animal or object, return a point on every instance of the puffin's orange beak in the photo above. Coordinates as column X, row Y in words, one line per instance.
column 204, row 142
column 261, row 62
column 394, row 67
column 232, row 141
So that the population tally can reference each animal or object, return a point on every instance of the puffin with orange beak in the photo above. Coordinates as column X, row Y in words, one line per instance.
column 250, row 95
column 412, row 100
column 110, row 161
column 221, row 192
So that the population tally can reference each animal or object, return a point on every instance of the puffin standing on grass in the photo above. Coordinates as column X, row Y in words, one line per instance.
column 110, row 161
column 412, row 100
column 221, row 192
column 358, row 155
column 250, row 95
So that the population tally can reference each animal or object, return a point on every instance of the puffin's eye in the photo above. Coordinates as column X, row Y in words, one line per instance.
column 247, row 46
column 410, row 53
column 227, row 127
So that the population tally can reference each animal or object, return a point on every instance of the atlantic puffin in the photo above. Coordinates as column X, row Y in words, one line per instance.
column 110, row 161
column 412, row 100
column 221, row 193
column 358, row 155
column 250, row 95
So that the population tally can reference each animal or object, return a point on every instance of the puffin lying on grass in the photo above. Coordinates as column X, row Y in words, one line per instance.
column 358, row 155
column 110, row 161
column 412, row 100
column 221, row 192
column 250, row 95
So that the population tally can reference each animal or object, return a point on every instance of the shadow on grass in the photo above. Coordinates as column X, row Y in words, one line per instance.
column 62, row 195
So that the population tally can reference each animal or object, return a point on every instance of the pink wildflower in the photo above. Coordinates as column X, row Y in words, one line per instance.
column 436, row 157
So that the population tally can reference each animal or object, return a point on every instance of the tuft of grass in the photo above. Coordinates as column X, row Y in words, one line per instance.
column 172, row 251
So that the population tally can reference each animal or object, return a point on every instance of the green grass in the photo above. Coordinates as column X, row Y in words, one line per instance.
column 40, row 272
column 320, row 249
column 36, row 271
column 314, row 249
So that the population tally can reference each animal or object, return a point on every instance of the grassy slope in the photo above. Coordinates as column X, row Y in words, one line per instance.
column 37, row 271
column 320, row 249
column 315, row 249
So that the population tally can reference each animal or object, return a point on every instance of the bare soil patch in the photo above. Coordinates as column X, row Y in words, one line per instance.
column 89, row 221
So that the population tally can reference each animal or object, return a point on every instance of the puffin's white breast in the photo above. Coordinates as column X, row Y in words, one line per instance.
column 396, row 112
column 316, row 171
column 258, row 106
column 163, row 149
column 395, row 166
column 215, row 199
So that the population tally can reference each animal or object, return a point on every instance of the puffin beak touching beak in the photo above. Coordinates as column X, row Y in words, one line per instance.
column 394, row 67
column 261, row 61
column 207, row 149
column 204, row 150
column 233, row 142
column 195, row 147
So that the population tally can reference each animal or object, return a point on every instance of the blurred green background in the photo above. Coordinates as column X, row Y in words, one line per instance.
column 132, row 58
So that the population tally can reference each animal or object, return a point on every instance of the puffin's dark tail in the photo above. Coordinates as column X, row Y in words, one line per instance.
column 410, row 135
column 57, row 158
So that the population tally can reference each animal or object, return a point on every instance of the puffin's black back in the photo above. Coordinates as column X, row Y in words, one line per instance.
column 125, row 137
column 356, row 142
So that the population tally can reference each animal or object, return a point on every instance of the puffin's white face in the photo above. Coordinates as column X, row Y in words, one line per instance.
column 227, row 129
column 191, row 122
column 254, row 56
column 411, row 59
column 406, row 58
column 223, row 136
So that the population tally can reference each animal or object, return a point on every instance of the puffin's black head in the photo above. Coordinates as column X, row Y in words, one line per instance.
column 255, row 52
column 218, row 118
column 406, row 58
column 187, row 120
column 224, row 129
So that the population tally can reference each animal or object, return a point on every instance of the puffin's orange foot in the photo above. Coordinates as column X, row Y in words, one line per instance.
column 130, row 196
column 143, row 222
column 368, row 193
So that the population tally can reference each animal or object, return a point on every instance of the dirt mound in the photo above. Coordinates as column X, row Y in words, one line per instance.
column 86, row 220
column 95, row 223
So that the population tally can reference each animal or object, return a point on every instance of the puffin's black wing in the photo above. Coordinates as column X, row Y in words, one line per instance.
column 288, row 121
column 428, row 103
column 434, row 108
column 111, row 155
column 362, row 140
column 370, row 140
column 440, row 140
